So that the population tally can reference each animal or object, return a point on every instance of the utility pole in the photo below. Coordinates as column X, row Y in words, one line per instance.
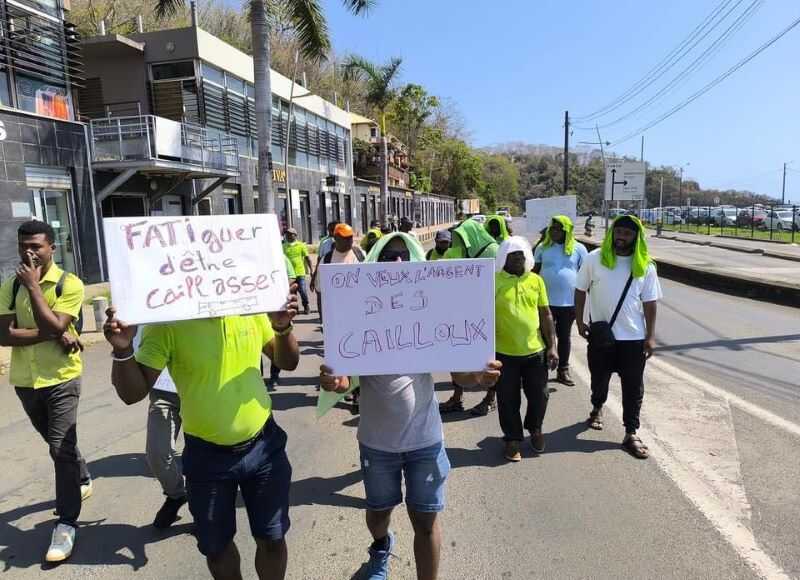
column 783, row 190
column 566, row 152
column 642, row 156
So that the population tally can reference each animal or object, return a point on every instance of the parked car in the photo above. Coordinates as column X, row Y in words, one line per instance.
column 723, row 216
column 747, row 218
column 782, row 219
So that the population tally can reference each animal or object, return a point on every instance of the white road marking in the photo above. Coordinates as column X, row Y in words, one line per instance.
column 687, row 424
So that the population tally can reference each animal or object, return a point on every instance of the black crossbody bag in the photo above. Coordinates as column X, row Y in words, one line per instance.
column 600, row 333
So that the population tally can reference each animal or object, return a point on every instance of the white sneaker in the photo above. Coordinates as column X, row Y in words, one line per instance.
column 86, row 490
column 61, row 543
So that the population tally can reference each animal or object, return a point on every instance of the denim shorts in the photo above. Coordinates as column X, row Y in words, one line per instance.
column 214, row 474
column 425, row 472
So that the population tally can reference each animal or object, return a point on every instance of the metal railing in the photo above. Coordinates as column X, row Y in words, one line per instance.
column 777, row 223
column 152, row 138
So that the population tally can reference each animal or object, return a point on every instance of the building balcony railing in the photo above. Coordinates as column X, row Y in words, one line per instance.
column 139, row 139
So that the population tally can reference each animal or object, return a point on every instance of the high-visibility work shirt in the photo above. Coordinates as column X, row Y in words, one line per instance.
column 517, row 300
column 297, row 252
column 44, row 364
column 215, row 364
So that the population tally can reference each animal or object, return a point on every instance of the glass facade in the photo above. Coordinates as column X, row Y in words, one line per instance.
column 37, row 55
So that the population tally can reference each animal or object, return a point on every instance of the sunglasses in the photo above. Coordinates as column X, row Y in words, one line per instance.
column 392, row 255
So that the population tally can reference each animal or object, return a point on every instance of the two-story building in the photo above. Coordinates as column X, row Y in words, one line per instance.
column 173, row 130
column 45, row 170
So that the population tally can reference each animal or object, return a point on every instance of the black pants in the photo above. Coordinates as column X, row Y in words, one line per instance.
column 626, row 358
column 529, row 373
column 564, row 317
column 53, row 411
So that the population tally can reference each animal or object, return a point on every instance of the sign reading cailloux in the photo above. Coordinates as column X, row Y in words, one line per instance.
column 408, row 317
column 167, row 268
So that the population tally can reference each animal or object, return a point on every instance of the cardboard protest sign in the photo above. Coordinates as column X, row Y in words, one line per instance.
column 408, row 317
column 540, row 211
column 170, row 268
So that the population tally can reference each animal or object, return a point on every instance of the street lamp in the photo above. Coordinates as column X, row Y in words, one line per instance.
column 680, row 188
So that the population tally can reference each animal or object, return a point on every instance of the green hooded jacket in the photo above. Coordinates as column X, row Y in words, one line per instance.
column 569, row 237
column 641, row 257
column 471, row 240
column 417, row 253
column 501, row 222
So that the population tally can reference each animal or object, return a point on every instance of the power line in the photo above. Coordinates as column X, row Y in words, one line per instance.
column 696, row 64
column 663, row 66
column 710, row 85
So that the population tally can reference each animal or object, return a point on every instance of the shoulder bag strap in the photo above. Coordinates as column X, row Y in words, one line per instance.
column 621, row 300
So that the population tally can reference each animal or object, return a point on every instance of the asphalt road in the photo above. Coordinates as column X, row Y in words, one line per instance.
column 719, row 498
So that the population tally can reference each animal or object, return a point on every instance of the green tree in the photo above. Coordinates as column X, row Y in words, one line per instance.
column 379, row 96
column 502, row 176
column 311, row 32
column 408, row 114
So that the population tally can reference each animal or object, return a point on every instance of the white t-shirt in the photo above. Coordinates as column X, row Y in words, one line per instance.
column 605, row 288
column 399, row 413
column 164, row 381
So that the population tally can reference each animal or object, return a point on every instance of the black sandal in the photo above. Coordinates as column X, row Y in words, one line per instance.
column 634, row 446
column 595, row 420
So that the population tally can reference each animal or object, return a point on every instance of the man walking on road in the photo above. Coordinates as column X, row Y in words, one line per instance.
column 163, row 426
column 297, row 253
column 232, row 441
column 525, row 344
column 470, row 240
column 497, row 228
column 39, row 308
column 442, row 241
column 400, row 437
column 558, row 259
column 623, row 292
column 342, row 251
column 325, row 245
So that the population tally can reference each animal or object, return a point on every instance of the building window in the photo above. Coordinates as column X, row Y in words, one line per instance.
column 373, row 132
column 5, row 96
column 173, row 70
column 53, row 207
column 49, row 7
column 213, row 74
column 232, row 200
column 204, row 206
column 42, row 98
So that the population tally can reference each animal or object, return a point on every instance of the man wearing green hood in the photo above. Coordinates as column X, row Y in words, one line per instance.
column 558, row 259
column 400, row 436
column 497, row 228
column 623, row 292
column 470, row 240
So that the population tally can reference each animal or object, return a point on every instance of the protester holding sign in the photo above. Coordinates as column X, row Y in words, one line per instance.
column 623, row 293
column 325, row 245
column 39, row 309
column 526, row 345
column 232, row 441
column 558, row 259
column 470, row 240
column 297, row 253
column 400, row 436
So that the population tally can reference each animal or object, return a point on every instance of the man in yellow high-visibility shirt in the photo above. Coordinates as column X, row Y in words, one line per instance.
column 38, row 311
column 297, row 253
column 232, row 441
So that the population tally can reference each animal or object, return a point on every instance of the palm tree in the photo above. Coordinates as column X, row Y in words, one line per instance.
column 311, row 31
column 380, row 95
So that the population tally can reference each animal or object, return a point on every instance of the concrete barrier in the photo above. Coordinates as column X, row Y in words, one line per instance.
column 740, row 285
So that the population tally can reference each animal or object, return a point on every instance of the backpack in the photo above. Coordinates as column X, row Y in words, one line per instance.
column 356, row 250
column 78, row 323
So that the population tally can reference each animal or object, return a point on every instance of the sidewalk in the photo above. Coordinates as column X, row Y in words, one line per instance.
column 762, row 247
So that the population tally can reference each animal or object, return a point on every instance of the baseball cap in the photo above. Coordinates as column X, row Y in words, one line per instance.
column 291, row 231
column 343, row 230
column 444, row 236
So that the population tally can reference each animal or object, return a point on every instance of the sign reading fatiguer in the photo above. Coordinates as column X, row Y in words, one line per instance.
column 178, row 268
column 408, row 317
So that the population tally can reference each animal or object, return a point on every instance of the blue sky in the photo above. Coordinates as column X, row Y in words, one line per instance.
column 513, row 66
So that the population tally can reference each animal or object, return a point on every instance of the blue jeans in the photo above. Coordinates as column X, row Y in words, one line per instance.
column 302, row 289
column 425, row 471
column 214, row 474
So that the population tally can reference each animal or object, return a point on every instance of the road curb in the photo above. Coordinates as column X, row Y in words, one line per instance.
column 747, row 287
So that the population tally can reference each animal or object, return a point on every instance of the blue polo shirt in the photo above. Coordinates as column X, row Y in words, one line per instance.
column 559, row 271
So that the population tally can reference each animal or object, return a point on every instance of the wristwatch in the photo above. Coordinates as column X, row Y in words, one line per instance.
column 287, row 330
